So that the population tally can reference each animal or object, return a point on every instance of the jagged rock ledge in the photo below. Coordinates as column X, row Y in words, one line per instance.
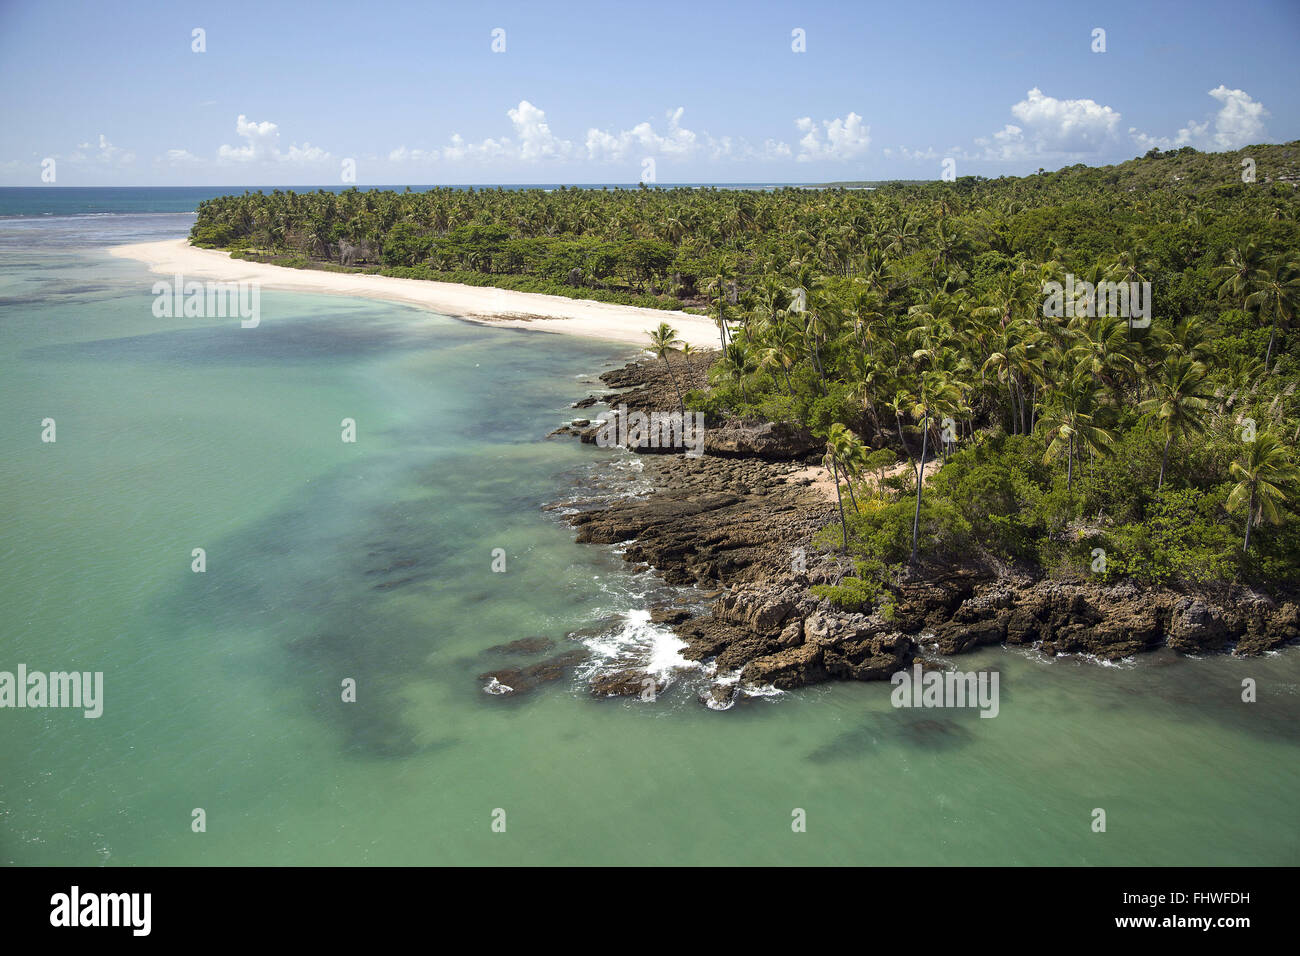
column 734, row 518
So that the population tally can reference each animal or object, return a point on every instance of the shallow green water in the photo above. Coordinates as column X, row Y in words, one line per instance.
column 371, row 560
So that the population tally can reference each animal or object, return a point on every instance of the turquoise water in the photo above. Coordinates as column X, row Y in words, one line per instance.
column 50, row 200
column 372, row 561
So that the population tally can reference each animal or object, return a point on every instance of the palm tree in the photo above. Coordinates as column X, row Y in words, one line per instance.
column 1261, row 474
column 1277, row 290
column 718, row 287
column 829, row 458
column 897, row 406
column 937, row 394
column 735, row 363
column 1239, row 274
column 782, row 350
column 847, row 448
column 1072, row 423
column 662, row 341
column 1181, row 402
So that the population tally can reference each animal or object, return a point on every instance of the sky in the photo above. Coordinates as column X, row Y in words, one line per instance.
column 377, row 93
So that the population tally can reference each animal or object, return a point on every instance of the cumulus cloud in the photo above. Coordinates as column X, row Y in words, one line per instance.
column 835, row 139
column 775, row 149
column 102, row 152
column 260, row 141
column 488, row 149
column 1049, row 126
column 180, row 157
column 532, row 141
column 643, row 140
column 904, row 152
column 1065, row 126
column 1239, row 122
column 536, row 141
column 1006, row 144
column 404, row 155
column 261, row 144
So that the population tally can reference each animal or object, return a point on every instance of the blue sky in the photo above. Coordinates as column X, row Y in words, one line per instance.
column 287, row 93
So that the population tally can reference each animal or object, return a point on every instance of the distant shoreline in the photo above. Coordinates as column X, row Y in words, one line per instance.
column 480, row 305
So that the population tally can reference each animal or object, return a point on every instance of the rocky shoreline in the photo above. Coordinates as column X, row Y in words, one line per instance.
column 739, row 520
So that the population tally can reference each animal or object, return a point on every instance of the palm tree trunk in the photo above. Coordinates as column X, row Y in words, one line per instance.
column 1250, row 516
column 920, row 482
column 1164, row 458
column 821, row 375
column 844, row 527
column 1069, row 467
column 910, row 460
column 848, row 482
column 1271, row 335
column 681, row 407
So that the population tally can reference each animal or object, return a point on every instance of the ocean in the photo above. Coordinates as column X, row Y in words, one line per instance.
column 372, row 562
column 24, row 201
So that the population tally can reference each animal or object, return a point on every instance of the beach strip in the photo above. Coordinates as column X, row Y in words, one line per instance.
column 487, row 306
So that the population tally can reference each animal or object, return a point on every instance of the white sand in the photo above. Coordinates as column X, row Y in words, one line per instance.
column 818, row 477
column 502, row 307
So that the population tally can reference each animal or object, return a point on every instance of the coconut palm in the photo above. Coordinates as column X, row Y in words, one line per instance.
column 848, row 453
column 1263, row 476
column 736, row 364
column 1181, row 402
column 662, row 341
column 1239, row 274
column 1070, row 423
column 1277, row 292
column 830, row 459
column 935, row 395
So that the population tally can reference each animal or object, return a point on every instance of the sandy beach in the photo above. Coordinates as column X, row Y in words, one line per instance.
column 486, row 306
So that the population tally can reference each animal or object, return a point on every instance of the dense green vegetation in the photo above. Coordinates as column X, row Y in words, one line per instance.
column 908, row 322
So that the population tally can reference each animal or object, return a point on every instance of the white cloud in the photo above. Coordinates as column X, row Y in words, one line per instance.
column 904, row 152
column 532, row 141
column 774, row 149
column 1047, row 125
column 404, row 155
column 1008, row 143
column 488, row 149
column 180, row 157
column 642, row 140
column 104, row 152
column 1239, row 122
column 1062, row 126
column 261, row 144
column 536, row 141
column 835, row 139
column 306, row 153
